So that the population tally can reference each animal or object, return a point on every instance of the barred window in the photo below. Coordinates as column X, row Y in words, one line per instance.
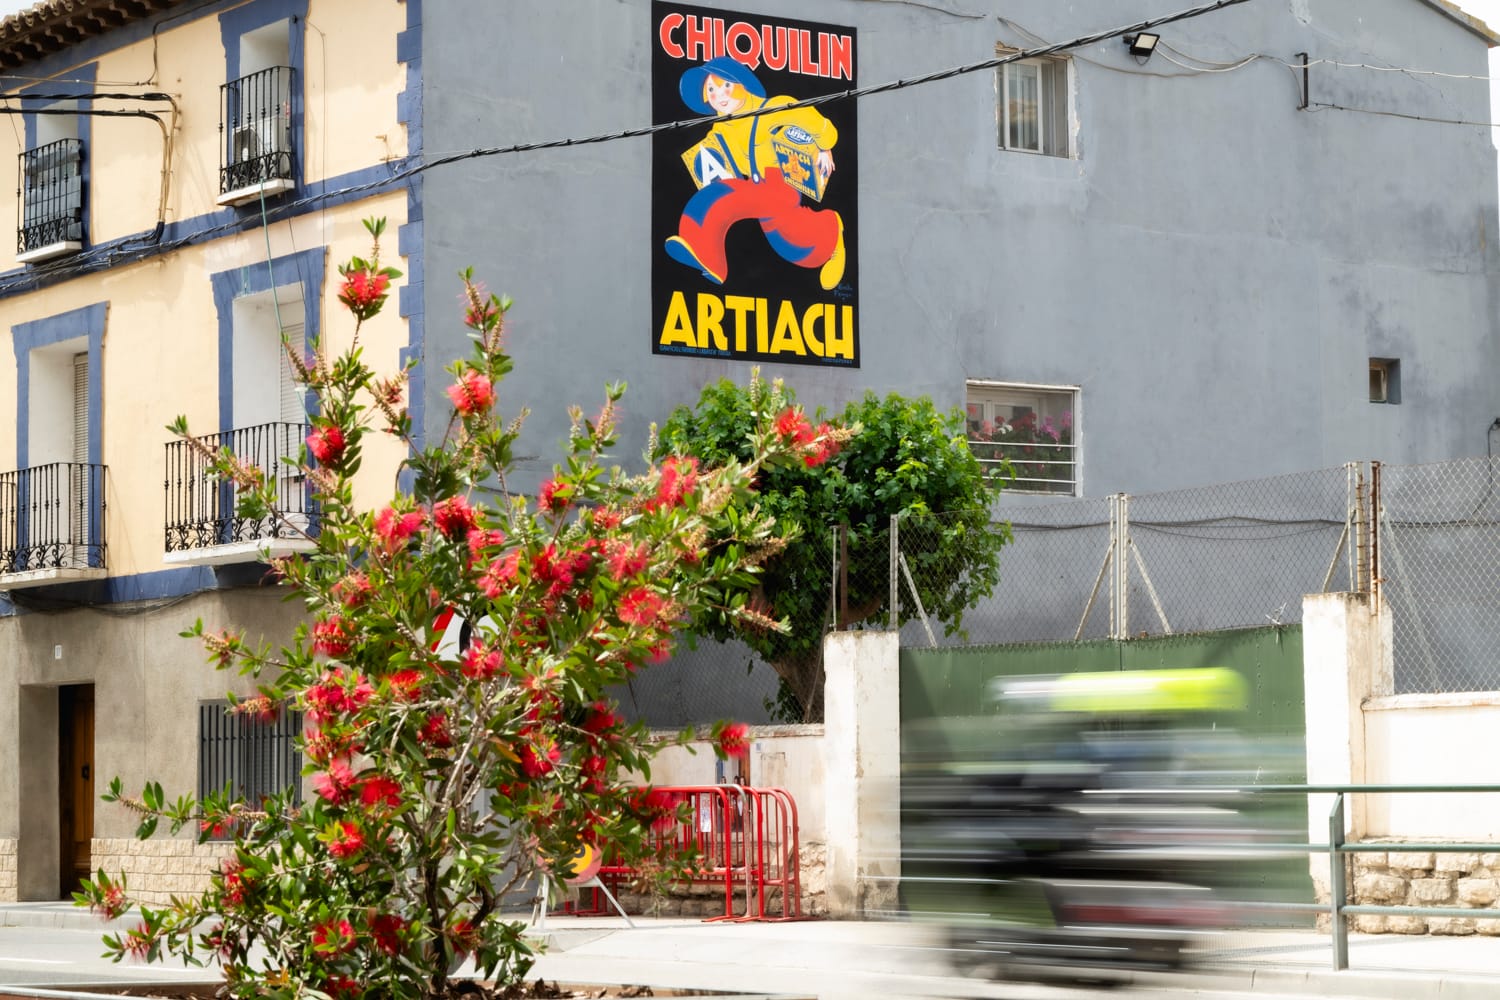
column 254, row 759
column 1031, row 426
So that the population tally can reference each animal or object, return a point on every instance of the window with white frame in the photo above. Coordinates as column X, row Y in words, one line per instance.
column 1029, row 428
column 1034, row 112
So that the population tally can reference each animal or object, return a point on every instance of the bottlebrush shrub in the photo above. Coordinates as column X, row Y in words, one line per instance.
column 442, row 781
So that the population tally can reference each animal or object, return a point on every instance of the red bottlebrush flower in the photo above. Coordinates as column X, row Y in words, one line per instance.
column 333, row 637
column 215, row 827
column 435, row 731
column 260, row 709
column 385, row 930
column 363, row 289
column 234, row 882
column 658, row 808
column 473, row 393
column 641, row 607
column 341, row 987
column 406, row 684
column 394, row 527
column 600, row 719
column 334, row 695
column 335, row 783
column 345, row 840
column 606, row 518
column 481, row 662
column 326, row 443
column 111, row 902
column 137, row 943
column 625, row 560
column 793, row 426
column 820, row 452
column 500, row 575
column 553, row 496
column 353, row 590
column 333, row 937
column 734, row 739
column 455, row 517
column 479, row 541
column 539, row 762
column 679, row 477
column 463, row 936
column 380, row 790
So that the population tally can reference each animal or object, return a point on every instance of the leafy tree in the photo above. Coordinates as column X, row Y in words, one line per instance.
column 907, row 460
column 445, row 778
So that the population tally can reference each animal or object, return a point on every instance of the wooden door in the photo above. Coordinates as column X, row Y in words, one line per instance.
column 75, row 771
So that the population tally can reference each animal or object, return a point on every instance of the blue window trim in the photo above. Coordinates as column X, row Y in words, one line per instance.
column 308, row 267
column 412, row 236
column 87, row 321
column 80, row 82
column 240, row 21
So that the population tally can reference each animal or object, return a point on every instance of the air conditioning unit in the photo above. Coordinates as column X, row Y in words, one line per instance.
column 250, row 141
column 262, row 136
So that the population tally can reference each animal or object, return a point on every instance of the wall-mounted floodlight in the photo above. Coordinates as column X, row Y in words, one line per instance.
column 1143, row 44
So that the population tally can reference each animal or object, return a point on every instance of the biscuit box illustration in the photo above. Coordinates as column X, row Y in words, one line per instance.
column 797, row 156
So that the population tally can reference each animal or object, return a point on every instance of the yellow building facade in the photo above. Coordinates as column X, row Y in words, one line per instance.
column 189, row 178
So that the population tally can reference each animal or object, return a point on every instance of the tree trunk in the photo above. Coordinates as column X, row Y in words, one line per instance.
column 803, row 673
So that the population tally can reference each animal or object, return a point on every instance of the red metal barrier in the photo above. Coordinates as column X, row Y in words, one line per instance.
column 741, row 837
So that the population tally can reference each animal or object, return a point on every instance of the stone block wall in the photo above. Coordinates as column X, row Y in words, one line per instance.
column 1425, row 878
column 7, row 870
column 156, row 869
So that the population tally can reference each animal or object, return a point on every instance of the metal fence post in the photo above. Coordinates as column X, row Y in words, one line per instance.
column 1119, row 511
column 895, row 598
column 1336, row 889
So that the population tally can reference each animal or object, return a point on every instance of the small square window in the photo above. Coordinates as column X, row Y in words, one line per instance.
column 1034, row 106
column 1031, row 427
column 1385, row 380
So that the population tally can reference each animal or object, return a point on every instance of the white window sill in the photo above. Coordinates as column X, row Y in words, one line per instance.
column 258, row 550
column 245, row 195
column 60, row 249
column 44, row 577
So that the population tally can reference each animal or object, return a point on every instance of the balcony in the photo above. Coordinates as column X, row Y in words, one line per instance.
column 51, row 188
column 51, row 525
column 203, row 526
column 255, row 115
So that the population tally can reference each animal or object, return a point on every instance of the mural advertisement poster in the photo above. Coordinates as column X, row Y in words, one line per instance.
column 754, row 219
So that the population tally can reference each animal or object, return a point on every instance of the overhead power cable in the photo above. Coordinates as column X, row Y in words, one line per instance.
column 107, row 254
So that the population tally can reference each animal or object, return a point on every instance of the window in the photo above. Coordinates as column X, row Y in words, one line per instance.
column 262, row 417
column 51, row 186
column 1385, row 380
column 1034, row 103
column 1032, row 427
column 254, row 759
column 52, row 523
column 259, row 106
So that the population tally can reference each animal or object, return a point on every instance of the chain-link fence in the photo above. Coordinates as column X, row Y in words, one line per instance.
column 1229, row 556
column 1437, row 562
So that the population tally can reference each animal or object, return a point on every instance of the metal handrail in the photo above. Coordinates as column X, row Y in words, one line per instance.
column 1338, row 906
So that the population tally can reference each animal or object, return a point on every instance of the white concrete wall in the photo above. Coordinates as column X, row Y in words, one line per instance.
column 1433, row 739
column 789, row 757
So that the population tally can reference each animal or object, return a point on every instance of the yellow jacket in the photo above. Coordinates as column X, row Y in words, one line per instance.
column 746, row 142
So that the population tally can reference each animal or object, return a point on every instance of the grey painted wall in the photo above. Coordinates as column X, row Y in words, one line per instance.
column 1214, row 268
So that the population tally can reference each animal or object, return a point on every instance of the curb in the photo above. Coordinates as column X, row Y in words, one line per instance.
column 1366, row 984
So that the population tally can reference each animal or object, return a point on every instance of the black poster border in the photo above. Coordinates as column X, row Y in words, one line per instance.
column 741, row 270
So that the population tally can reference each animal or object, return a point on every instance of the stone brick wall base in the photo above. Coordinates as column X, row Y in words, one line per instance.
column 1425, row 878
column 156, row 869
column 7, row 870
column 700, row 899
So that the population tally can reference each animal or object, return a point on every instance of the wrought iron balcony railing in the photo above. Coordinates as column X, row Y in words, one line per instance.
column 201, row 509
column 51, row 189
column 52, row 518
column 255, row 114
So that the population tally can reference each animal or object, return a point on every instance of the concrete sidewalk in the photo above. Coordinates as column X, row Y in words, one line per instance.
column 837, row 958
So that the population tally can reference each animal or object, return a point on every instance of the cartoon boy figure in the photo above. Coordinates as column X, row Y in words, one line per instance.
column 740, row 176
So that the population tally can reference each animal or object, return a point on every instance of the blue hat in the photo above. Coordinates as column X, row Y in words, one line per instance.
column 725, row 68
